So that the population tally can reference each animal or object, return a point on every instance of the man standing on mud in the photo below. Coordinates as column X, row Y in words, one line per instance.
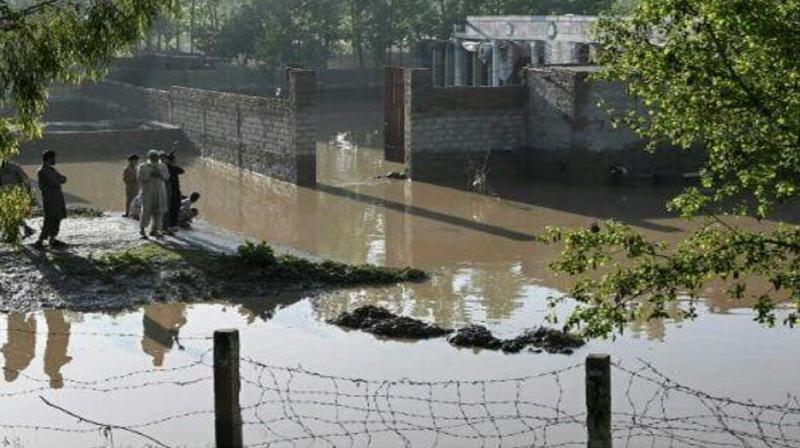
column 55, row 207
column 12, row 175
column 153, row 176
column 173, row 193
column 131, row 183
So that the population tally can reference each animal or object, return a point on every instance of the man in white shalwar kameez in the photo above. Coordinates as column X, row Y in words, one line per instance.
column 152, row 176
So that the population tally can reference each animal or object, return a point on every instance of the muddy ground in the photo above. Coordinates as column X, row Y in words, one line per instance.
column 107, row 267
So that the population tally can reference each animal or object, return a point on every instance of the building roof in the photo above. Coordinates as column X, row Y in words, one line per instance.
column 571, row 28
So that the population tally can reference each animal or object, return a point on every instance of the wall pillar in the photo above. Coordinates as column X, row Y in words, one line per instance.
column 460, row 64
column 448, row 64
column 537, row 48
column 574, row 52
column 495, row 78
column 303, row 98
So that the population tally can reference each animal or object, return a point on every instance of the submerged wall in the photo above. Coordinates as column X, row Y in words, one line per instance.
column 553, row 128
column 274, row 136
column 450, row 132
column 572, row 136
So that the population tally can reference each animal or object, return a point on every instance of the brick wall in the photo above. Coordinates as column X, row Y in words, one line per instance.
column 571, row 135
column 451, row 132
column 554, row 128
column 268, row 135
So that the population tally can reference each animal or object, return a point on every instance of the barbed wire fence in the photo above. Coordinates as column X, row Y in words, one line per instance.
column 296, row 407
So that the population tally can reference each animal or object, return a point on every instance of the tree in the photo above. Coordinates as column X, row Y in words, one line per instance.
column 47, row 41
column 721, row 75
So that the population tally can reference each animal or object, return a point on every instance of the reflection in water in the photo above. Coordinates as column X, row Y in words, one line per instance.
column 486, row 268
column 20, row 346
column 162, row 324
column 55, row 352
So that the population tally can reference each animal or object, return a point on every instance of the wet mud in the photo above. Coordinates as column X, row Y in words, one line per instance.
column 382, row 322
column 538, row 340
column 106, row 267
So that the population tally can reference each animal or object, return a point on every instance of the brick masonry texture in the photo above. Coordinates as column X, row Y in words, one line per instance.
column 268, row 135
column 552, row 128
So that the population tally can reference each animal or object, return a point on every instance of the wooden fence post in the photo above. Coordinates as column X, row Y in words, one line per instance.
column 228, row 417
column 598, row 401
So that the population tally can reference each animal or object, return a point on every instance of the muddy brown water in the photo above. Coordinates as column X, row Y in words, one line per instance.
column 485, row 270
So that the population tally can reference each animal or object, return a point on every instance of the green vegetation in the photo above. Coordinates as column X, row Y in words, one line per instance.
column 311, row 33
column 46, row 41
column 253, row 265
column 140, row 259
column 14, row 204
column 719, row 76
column 259, row 260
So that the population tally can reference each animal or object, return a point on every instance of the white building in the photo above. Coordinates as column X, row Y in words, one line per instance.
column 490, row 50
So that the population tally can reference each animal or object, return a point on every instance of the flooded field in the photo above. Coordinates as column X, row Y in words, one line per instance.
column 138, row 367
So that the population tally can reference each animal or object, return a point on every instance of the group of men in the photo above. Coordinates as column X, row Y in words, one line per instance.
column 152, row 195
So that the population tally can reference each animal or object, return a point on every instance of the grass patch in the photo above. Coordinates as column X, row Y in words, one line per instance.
column 260, row 260
column 252, row 266
column 139, row 260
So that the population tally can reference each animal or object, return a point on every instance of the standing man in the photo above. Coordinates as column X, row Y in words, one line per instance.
column 55, row 207
column 131, row 183
column 152, row 176
column 12, row 175
column 174, row 193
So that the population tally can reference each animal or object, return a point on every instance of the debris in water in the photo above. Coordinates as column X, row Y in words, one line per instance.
column 379, row 321
column 394, row 175
column 541, row 339
column 476, row 336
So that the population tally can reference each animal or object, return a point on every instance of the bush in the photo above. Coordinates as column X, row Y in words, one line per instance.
column 255, row 255
column 15, row 206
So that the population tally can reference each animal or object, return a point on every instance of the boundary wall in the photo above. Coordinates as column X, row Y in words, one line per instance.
column 274, row 136
column 555, row 127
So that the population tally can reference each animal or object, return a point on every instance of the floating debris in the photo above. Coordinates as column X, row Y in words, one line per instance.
column 381, row 322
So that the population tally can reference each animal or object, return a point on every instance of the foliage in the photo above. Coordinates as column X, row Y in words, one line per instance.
column 255, row 255
column 718, row 76
column 138, row 260
column 48, row 41
column 259, row 260
column 15, row 205
column 311, row 32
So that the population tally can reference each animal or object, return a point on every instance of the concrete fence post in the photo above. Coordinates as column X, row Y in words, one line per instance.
column 598, row 401
column 228, row 417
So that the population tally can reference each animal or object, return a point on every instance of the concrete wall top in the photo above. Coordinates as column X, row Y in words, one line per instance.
column 543, row 28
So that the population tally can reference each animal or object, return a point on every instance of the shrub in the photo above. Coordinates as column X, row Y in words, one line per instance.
column 15, row 206
column 254, row 255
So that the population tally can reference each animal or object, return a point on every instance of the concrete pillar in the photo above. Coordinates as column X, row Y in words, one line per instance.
column 495, row 79
column 303, row 98
column 537, row 49
column 459, row 64
column 477, row 66
column 574, row 49
column 448, row 64
column 437, row 65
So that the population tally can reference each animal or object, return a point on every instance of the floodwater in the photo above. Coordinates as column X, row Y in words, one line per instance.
column 135, row 368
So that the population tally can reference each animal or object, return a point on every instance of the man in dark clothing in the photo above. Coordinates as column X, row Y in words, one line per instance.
column 173, row 193
column 55, row 208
